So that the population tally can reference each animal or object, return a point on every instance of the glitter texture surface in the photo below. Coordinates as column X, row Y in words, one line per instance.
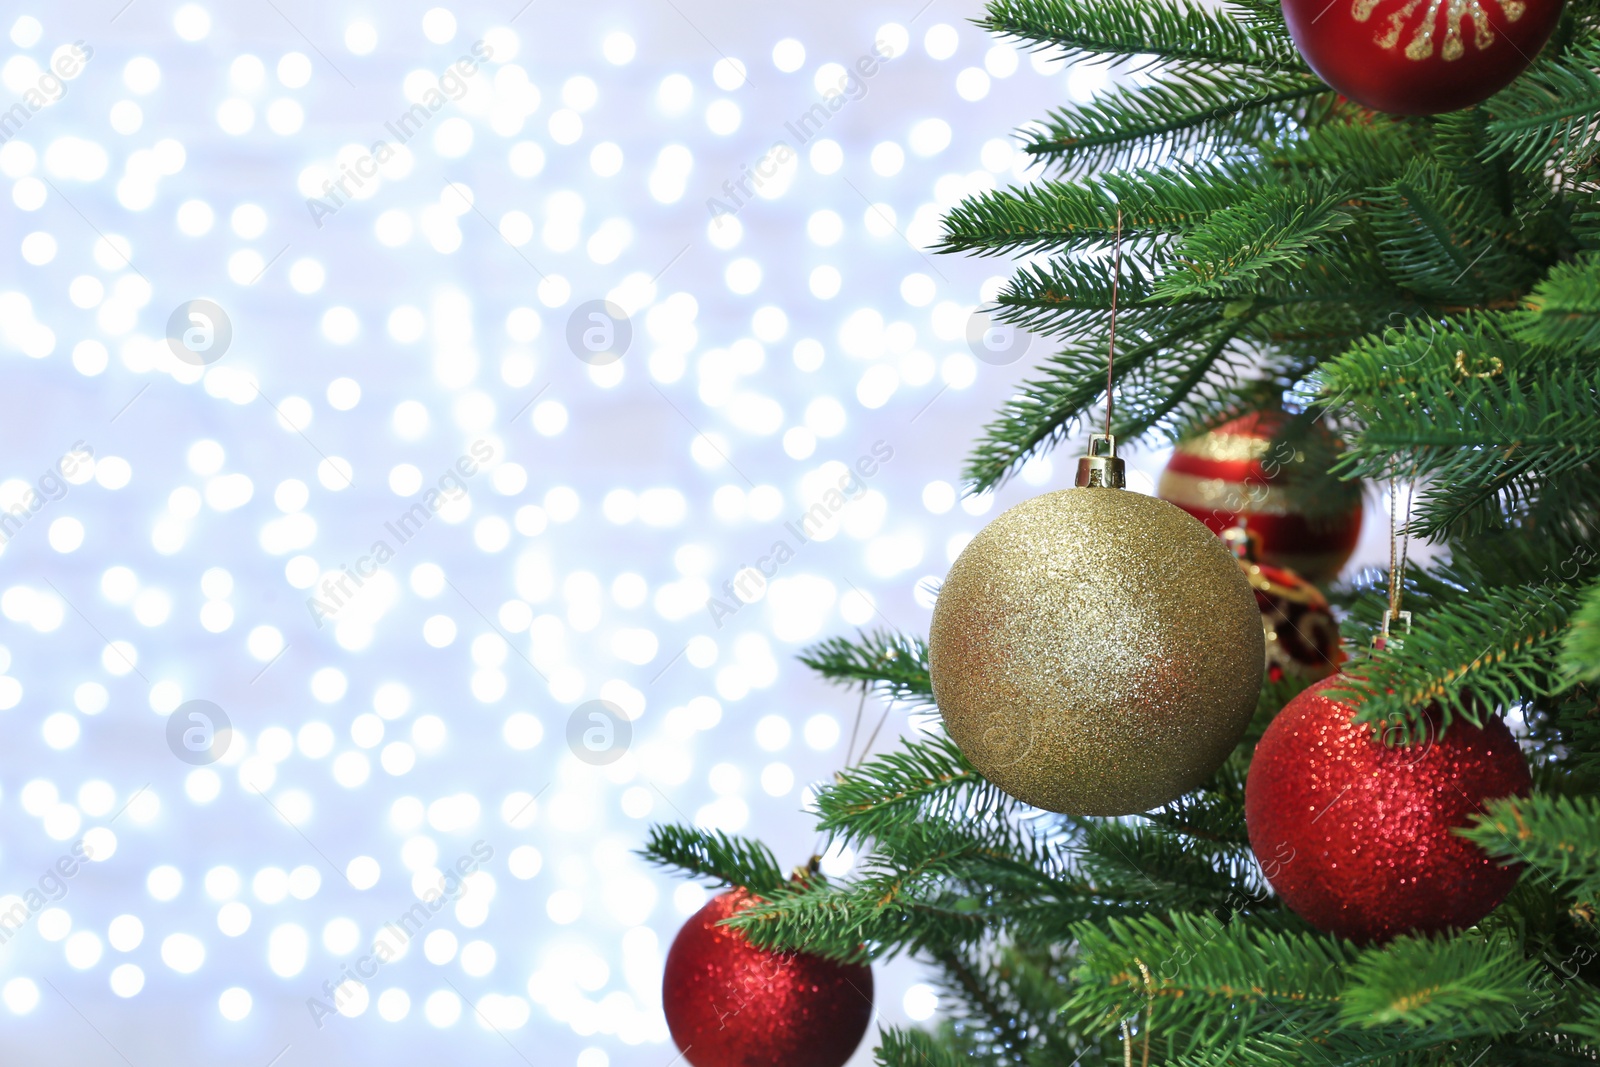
column 1096, row 651
column 730, row 1004
column 1356, row 835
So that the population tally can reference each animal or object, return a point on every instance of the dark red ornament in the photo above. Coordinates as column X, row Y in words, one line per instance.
column 731, row 1004
column 1355, row 835
column 1420, row 57
column 1298, row 517
column 1302, row 634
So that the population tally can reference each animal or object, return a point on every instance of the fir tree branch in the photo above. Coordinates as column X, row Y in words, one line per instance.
column 1272, row 232
column 1063, row 217
column 1045, row 411
column 1549, row 113
column 854, row 923
column 1564, row 308
column 1491, row 648
column 1452, row 987
column 1173, row 117
column 1365, row 150
column 1551, row 420
column 1485, row 444
column 1296, row 1049
column 923, row 779
column 1160, row 30
column 1181, row 386
column 713, row 854
column 892, row 663
column 1442, row 239
column 1216, row 984
column 1069, row 296
column 1558, row 836
column 1420, row 349
column 1580, row 656
column 1165, row 871
column 929, row 886
column 903, row 1047
column 1215, row 812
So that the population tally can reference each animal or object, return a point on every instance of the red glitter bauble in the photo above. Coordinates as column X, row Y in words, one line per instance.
column 1420, row 58
column 731, row 1004
column 1355, row 835
column 1238, row 471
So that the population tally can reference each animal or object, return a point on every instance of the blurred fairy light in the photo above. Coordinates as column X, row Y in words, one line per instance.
column 215, row 536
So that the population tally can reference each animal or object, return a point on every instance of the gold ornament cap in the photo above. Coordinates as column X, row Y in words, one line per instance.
column 1101, row 469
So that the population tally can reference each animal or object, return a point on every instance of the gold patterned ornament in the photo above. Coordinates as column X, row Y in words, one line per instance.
column 1095, row 651
column 1420, row 57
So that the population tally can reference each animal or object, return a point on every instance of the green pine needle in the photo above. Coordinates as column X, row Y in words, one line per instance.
column 1549, row 113
column 1141, row 31
column 1564, row 308
column 1580, row 657
column 1450, row 986
column 715, row 855
column 894, row 664
column 1553, row 835
column 1174, row 116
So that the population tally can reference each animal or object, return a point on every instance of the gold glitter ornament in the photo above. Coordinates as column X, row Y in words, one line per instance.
column 1095, row 651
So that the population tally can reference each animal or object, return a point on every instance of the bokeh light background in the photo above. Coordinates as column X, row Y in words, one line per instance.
column 369, row 352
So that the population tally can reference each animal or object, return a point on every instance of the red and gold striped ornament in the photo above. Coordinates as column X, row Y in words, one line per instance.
column 1239, row 470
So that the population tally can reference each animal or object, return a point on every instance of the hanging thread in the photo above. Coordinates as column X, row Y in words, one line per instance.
column 1399, row 549
column 1111, row 349
column 838, row 775
column 851, row 759
column 854, row 730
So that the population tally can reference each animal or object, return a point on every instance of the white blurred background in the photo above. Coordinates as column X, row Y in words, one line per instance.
column 374, row 339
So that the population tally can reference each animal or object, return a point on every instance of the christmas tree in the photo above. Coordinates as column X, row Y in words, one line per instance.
column 1429, row 287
